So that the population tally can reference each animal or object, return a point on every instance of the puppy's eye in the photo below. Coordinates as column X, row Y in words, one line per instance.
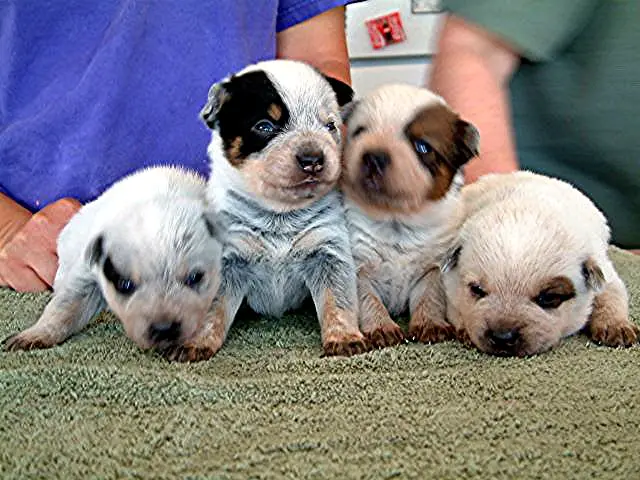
column 422, row 147
column 551, row 300
column 477, row 291
column 331, row 127
column 194, row 279
column 125, row 286
column 264, row 127
column 358, row 131
column 122, row 284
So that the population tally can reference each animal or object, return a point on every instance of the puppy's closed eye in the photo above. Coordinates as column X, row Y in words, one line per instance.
column 358, row 131
column 477, row 291
column 557, row 291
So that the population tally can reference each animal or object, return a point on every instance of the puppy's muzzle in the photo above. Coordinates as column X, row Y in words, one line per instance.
column 374, row 164
column 310, row 161
column 504, row 341
column 164, row 331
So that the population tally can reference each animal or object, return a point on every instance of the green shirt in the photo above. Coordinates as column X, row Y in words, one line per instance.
column 576, row 95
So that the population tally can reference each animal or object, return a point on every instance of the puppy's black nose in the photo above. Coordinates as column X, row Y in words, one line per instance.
column 503, row 338
column 164, row 331
column 310, row 161
column 375, row 162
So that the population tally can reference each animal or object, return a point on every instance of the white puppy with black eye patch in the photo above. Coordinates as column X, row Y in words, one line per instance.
column 401, row 181
column 530, row 267
column 275, row 160
column 146, row 249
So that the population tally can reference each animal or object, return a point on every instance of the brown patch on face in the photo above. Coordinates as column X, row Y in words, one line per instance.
column 453, row 143
column 275, row 111
column 234, row 154
column 339, row 329
column 554, row 292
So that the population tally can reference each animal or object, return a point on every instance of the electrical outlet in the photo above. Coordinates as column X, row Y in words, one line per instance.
column 426, row 6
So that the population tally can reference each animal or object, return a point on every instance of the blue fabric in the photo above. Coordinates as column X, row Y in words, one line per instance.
column 93, row 90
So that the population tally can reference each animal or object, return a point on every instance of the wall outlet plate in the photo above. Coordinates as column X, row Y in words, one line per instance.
column 426, row 6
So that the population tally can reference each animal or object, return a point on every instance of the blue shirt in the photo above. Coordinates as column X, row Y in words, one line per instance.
column 91, row 91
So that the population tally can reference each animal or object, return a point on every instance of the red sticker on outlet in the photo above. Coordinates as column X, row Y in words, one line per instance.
column 386, row 30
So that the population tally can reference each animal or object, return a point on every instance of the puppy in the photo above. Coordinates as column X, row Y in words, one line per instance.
column 275, row 160
column 530, row 267
column 146, row 250
column 401, row 182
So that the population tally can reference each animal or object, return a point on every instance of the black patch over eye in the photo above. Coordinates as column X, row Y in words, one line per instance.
column 422, row 147
column 123, row 285
column 477, row 291
column 265, row 127
column 551, row 300
column 358, row 131
column 194, row 279
column 331, row 127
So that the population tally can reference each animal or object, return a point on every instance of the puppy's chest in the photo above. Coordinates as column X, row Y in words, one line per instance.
column 271, row 262
column 394, row 258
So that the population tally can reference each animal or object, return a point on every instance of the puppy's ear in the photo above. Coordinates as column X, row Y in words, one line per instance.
column 210, row 224
column 95, row 251
column 347, row 110
column 592, row 273
column 218, row 95
column 467, row 142
column 451, row 258
column 344, row 93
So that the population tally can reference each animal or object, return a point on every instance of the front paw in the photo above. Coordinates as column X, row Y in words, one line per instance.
column 345, row 345
column 386, row 335
column 432, row 332
column 621, row 333
column 188, row 353
column 27, row 340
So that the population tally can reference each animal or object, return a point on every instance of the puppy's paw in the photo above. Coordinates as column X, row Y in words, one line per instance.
column 620, row 333
column 345, row 345
column 386, row 335
column 432, row 332
column 27, row 340
column 463, row 337
column 187, row 353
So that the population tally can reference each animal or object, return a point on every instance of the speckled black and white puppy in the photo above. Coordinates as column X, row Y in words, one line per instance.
column 275, row 159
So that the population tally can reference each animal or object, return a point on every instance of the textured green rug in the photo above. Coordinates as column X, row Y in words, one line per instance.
column 267, row 406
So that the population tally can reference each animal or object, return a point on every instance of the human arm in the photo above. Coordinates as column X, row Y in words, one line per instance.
column 320, row 41
column 472, row 71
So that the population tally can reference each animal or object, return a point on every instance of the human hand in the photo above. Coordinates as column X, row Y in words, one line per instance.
column 29, row 260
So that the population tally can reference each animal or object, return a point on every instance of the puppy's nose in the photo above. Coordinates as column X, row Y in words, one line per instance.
column 504, row 338
column 375, row 162
column 164, row 331
column 310, row 161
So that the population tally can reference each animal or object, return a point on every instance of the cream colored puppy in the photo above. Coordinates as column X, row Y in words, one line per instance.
column 530, row 267
column 401, row 181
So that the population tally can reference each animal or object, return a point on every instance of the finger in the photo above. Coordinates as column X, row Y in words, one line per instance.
column 23, row 279
column 44, row 264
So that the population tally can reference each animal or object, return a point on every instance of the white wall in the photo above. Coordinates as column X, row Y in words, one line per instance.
column 406, row 62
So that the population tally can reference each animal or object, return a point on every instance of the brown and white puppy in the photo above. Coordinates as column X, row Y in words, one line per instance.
column 275, row 160
column 401, row 181
column 530, row 267
column 146, row 250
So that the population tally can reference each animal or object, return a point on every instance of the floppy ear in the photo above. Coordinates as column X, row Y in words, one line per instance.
column 344, row 93
column 218, row 94
column 347, row 110
column 95, row 251
column 592, row 273
column 451, row 258
column 467, row 142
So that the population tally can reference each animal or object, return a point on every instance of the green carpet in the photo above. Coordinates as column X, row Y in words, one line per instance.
column 267, row 406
